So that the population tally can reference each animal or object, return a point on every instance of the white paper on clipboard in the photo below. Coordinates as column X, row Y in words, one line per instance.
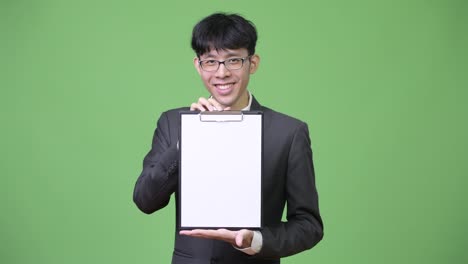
column 220, row 170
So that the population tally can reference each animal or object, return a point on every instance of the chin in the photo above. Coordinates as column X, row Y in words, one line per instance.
column 226, row 103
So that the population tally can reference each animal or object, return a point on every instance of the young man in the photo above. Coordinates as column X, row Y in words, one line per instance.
column 225, row 58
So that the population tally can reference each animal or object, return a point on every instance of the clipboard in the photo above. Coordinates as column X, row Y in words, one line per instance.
column 220, row 170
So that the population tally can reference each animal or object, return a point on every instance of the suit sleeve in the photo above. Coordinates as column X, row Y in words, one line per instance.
column 158, row 180
column 304, row 227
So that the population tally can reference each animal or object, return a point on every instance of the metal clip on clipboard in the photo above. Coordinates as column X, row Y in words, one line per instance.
column 221, row 116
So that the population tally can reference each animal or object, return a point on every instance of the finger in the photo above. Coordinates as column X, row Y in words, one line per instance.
column 245, row 238
column 196, row 106
column 215, row 103
column 206, row 104
column 226, row 235
column 242, row 238
column 239, row 240
column 198, row 232
column 191, row 233
column 193, row 107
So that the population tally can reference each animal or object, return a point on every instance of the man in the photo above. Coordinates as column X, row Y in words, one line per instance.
column 225, row 58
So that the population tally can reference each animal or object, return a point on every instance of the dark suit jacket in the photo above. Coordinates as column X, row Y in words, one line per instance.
column 288, row 178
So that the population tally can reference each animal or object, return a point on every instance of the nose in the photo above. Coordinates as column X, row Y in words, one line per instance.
column 222, row 71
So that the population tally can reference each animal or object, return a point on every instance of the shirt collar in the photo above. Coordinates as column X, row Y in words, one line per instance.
column 247, row 108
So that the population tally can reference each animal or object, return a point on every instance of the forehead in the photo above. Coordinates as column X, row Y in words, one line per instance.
column 225, row 53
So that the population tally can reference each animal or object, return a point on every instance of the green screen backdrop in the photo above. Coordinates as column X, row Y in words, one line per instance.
column 381, row 84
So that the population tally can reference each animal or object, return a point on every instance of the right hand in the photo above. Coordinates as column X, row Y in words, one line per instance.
column 209, row 104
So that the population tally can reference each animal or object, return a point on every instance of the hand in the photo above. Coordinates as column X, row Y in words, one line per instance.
column 209, row 104
column 241, row 238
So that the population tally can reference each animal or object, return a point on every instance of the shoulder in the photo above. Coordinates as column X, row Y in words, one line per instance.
column 285, row 122
column 173, row 114
column 274, row 117
column 284, row 132
column 170, row 118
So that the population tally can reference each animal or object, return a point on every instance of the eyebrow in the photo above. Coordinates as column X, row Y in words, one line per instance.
column 229, row 54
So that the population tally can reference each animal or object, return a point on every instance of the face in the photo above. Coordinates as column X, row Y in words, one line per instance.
column 228, row 87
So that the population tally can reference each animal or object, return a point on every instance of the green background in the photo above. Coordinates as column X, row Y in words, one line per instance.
column 382, row 85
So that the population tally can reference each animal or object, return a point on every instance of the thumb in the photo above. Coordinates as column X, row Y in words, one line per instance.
column 239, row 239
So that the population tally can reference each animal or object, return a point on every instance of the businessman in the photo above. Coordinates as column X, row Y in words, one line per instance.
column 224, row 45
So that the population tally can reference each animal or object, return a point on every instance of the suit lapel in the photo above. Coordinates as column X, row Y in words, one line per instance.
column 255, row 106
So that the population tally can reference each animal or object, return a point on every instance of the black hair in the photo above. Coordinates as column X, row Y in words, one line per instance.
column 223, row 31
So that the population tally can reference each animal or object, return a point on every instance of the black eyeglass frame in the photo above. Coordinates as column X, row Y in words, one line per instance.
column 224, row 63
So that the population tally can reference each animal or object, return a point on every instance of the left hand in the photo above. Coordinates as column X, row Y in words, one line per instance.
column 241, row 238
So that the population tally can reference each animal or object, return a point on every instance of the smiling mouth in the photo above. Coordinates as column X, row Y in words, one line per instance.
column 224, row 86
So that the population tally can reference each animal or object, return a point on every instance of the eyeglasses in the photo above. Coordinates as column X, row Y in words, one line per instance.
column 230, row 64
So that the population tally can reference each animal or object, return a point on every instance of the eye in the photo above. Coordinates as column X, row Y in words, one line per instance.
column 209, row 62
column 235, row 60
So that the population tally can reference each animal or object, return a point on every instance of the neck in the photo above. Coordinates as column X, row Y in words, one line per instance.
column 242, row 103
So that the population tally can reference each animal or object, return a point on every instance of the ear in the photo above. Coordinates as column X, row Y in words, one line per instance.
column 196, row 63
column 254, row 62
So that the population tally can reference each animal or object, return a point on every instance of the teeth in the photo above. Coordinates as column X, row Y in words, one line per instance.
column 224, row 86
